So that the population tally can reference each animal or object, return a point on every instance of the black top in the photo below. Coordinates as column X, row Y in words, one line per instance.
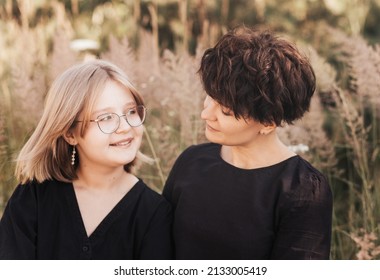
column 43, row 221
column 282, row 211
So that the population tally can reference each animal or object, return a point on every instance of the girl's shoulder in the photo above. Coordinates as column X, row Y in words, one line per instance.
column 34, row 190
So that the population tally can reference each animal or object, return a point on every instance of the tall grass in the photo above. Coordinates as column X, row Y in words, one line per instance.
column 352, row 100
column 341, row 131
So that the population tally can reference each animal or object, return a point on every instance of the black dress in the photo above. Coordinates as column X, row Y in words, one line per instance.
column 43, row 221
column 283, row 211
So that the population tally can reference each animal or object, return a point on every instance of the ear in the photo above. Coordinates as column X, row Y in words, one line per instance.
column 70, row 138
column 267, row 128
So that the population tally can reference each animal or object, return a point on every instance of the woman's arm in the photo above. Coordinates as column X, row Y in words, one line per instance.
column 304, row 230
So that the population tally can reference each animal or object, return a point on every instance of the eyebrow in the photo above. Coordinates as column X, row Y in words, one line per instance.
column 126, row 105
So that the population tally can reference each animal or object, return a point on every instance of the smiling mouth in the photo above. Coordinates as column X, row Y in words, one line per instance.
column 122, row 143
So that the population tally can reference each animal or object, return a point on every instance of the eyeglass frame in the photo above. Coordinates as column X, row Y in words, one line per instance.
column 124, row 116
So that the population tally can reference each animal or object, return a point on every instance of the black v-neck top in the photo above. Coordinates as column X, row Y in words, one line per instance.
column 43, row 221
column 283, row 211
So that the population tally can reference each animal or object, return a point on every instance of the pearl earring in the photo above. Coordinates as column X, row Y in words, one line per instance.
column 73, row 156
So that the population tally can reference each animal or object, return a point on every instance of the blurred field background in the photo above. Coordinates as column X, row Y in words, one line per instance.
column 159, row 43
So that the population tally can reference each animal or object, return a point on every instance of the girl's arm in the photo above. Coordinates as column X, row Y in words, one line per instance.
column 18, row 226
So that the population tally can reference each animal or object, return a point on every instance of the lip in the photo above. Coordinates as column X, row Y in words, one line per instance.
column 122, row 143
column 209, row 127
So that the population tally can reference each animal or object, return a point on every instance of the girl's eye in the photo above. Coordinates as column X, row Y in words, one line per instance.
column 105, row 118
column 132, row 112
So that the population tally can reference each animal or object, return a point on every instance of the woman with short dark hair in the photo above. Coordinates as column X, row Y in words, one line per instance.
column 245, row 195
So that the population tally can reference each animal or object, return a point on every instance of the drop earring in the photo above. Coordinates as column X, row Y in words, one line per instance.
column 73, row 156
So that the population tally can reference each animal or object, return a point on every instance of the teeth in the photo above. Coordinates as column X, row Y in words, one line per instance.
column 122, row 143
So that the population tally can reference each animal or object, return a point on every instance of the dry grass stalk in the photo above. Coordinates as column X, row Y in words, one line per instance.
column 3, row 142
column 363, row 65
column 356, row 95
column 121, row 54
column 173, row 95
column 175, row 99
column 351, row 95
column 365, row 243
column 148, row 56
column 356, row 135
column 4, row 158
column 179, row 72
column 62, row 56
column 28, row 80
column 309, row 132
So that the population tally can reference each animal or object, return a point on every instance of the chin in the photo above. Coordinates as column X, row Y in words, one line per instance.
column 213, row 139
column 124, row 159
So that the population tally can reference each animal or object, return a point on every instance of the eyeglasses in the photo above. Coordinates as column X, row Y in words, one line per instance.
column 110, row 122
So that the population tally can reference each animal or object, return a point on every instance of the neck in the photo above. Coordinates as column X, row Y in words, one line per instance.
column 102, row 179
column 265, row 151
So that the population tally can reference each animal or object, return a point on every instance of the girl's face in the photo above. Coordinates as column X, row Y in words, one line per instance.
column 223, row 128
column 98, row 149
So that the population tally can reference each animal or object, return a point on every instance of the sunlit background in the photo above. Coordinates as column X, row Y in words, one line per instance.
column 158, row 43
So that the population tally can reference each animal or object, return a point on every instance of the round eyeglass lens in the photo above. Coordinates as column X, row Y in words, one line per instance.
column 109, row 123
column 136, row 116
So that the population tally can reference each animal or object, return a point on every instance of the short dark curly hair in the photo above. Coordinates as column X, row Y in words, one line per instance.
column 258, row 75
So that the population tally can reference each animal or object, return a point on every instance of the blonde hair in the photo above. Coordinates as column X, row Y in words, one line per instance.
column 47, row 155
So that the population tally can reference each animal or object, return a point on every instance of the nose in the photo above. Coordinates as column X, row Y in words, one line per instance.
column 123, row 125
column 208, row 112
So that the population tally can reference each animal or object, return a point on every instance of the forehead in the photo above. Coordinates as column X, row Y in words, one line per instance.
column 113, row 95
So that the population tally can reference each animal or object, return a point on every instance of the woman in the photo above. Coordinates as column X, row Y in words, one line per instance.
column 78, row 198
column 245, row 195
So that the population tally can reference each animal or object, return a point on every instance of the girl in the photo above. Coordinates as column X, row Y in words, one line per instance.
column 77, row 197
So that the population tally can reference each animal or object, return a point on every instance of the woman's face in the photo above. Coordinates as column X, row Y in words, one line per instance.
column 116, row 149
column 223, row 128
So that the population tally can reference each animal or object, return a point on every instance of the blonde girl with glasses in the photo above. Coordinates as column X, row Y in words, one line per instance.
column 78, row 197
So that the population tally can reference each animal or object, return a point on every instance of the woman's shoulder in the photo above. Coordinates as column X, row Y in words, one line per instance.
column 308, row 172
column 194, row 154
column 147, row 195
column 308, row 182
column 203, row 147
column 200, row 150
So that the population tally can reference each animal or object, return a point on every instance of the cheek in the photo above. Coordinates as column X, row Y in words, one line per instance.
column 203, row 115
column 94, row 137
column 139, row 131
column 239, row 129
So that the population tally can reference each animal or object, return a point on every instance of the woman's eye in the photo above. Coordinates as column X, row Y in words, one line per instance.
column 227, row 112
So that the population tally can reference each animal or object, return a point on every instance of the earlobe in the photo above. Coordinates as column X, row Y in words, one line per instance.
column 267, row 129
